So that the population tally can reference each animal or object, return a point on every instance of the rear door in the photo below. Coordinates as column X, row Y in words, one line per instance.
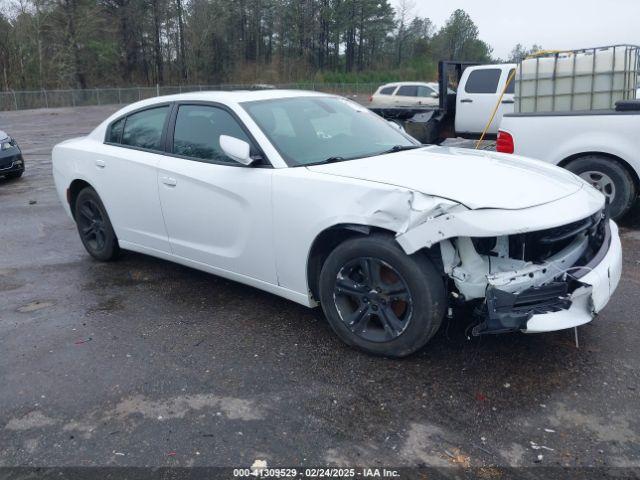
column 478, row 94
column 125, row 176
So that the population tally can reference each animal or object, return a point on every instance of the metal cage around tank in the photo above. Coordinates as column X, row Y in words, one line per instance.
column 584, row 79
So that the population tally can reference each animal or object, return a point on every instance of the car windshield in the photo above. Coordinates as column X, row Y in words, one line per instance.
column 312, row 130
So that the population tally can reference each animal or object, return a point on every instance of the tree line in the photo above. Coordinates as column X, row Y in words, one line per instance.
column 93, row 43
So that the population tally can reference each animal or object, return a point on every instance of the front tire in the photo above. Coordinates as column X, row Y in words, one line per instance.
column 610, row 178
column 94, row 226
column 379, row 299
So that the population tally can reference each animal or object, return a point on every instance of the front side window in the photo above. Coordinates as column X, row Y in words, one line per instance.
column 424, row 91
column 408, row 91
column 198, row 130
column 307, row 130
column 144, row 129
column 483, row 81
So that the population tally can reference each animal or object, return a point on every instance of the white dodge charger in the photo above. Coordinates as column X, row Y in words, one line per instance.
column 316, row 199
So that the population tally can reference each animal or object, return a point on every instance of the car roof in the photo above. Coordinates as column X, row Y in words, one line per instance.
column 223, row 96
column 396, row 84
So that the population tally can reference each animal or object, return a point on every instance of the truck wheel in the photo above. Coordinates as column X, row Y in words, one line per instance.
column 379, row 299
column 610, row 178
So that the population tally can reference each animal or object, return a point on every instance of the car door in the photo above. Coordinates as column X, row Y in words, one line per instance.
column 479, row 92
column 427, row 96
column 217, row 211
column 406, row 96
column 125, row 176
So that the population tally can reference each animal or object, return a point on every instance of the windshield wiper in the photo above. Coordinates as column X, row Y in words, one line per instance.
column 400, row 148
column 395, row 148
column 329, row 160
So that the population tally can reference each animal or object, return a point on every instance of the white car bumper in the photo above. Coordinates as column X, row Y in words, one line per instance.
column 587, row 301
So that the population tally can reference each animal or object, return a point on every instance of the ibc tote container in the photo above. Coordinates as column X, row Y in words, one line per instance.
column 588, row 79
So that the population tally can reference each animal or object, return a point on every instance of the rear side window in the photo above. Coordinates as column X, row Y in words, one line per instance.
column 115, row 131
column 387, row 91
column 144, row 129
column 483, row 81
column 198, row 130
column 408, row 91
column 511, row 88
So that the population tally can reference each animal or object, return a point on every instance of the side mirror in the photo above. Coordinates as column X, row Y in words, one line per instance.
column 435, row 95
column 236, row 149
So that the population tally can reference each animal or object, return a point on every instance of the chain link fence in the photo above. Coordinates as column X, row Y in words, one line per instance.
column 23, row 100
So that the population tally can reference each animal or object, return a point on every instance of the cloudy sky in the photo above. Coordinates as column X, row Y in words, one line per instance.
column 554, row 24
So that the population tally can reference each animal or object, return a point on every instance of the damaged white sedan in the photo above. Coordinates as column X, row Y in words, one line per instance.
column 316, row 199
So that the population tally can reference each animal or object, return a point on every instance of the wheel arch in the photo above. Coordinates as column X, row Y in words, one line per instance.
column 328, row 239
column 74, row 189
column 325, row 242
column 621, row 161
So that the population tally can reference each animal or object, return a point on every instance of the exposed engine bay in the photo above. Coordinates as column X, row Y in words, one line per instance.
column 520, row 275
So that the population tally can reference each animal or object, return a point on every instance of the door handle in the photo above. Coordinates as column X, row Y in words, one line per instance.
column 100, row 163
column 508, row 101
column 466, row 100
column 171, row 182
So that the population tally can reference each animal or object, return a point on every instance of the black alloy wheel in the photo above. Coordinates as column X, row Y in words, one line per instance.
column 91, row 225
column 94, row 226
column 379, row 299
column 373, row 299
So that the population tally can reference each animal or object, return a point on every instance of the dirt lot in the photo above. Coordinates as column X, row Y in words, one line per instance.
column 143, row 362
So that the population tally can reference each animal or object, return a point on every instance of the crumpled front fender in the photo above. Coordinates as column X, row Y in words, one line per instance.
column 457, row 221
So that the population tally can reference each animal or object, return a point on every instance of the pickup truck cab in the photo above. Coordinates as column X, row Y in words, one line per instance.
column 478, row 94
column 600, row 146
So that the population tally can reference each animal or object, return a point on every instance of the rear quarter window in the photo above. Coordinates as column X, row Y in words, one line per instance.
column 483, row 81
column 115, row 131
column 387, row 90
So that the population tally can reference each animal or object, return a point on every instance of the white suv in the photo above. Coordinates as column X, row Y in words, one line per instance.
column 406, row 94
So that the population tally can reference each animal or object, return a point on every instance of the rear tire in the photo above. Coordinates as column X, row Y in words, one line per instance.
column 379, row 299
column 94, row 226
column 610, row 178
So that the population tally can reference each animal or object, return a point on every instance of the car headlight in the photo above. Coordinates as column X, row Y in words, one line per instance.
column 7, row 143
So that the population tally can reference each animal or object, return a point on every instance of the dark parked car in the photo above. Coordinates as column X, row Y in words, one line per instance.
column 11, row 161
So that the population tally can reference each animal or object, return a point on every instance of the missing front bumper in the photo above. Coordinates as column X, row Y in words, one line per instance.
column 558, row 305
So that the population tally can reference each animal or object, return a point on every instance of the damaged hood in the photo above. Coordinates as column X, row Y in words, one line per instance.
column 477, row 179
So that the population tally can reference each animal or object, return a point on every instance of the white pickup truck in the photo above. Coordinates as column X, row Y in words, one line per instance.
column 600, row 146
